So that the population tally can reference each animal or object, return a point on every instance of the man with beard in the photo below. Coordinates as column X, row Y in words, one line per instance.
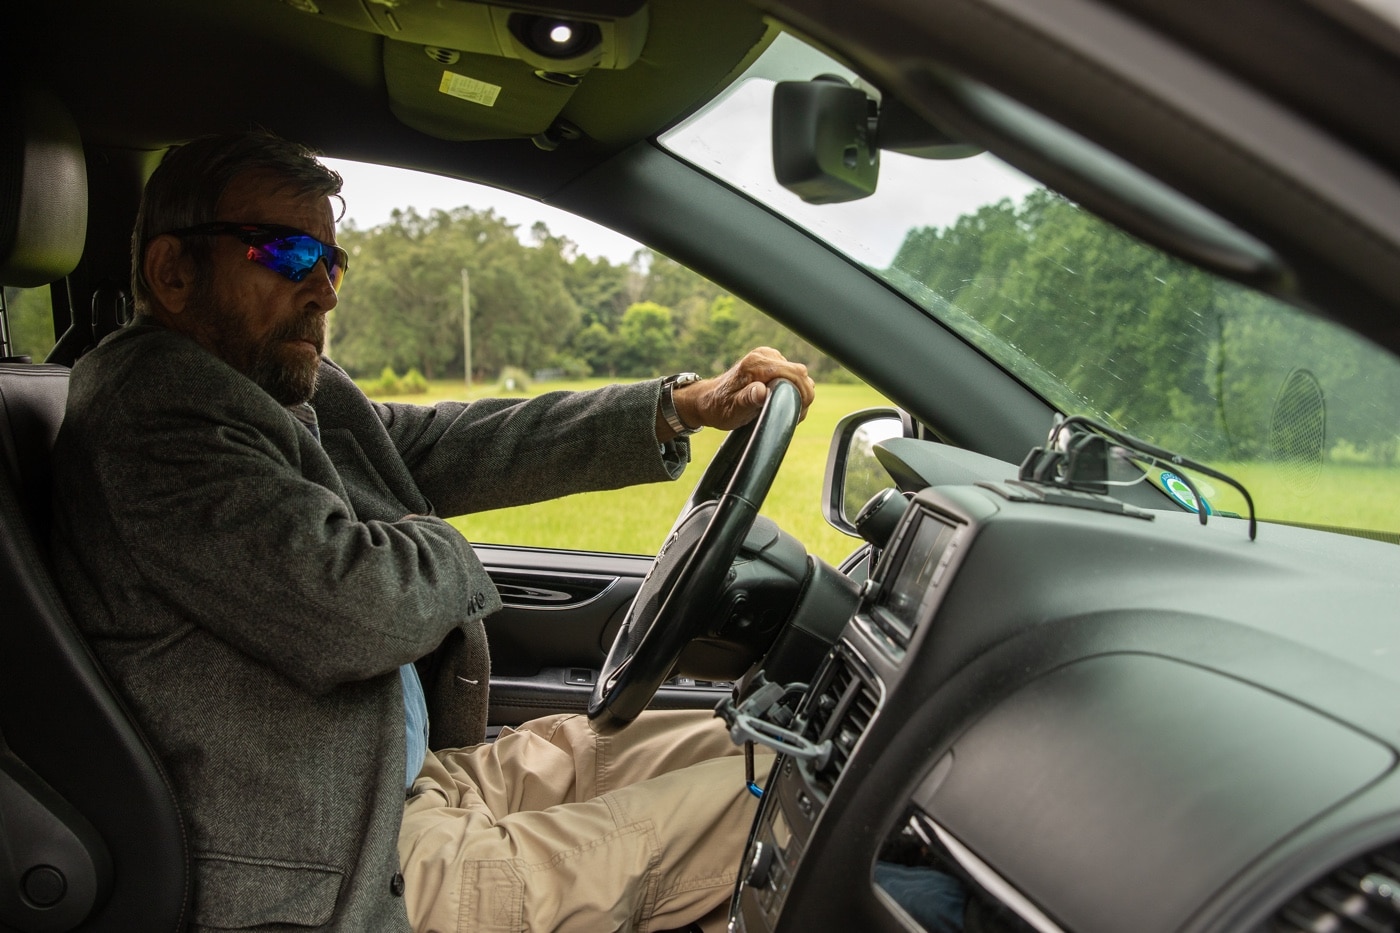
column 256, row 553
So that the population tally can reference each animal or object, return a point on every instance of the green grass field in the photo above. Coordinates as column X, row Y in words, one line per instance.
column 1339, row 494
column 635, row 520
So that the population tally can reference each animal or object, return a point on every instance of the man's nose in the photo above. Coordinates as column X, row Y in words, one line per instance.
column 321, row 296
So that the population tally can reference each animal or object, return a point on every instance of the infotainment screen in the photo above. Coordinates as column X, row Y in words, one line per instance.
column 909, row 583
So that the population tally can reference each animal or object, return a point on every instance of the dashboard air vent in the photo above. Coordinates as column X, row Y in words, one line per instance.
column 844, row 704
column 1363, row 896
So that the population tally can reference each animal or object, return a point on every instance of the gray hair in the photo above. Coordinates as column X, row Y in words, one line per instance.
column 185, row 188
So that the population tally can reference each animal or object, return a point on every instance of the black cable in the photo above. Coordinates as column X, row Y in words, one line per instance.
column 1161, row 457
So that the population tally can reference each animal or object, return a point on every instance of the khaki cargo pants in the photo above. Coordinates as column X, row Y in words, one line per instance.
column 553, row 827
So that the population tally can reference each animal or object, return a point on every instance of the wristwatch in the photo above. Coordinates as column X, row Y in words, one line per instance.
column 668, row 403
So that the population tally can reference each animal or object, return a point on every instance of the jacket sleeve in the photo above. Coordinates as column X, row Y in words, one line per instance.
column 228, row 510
column 494, row 453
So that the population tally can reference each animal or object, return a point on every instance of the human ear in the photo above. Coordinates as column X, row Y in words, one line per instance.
column 169, row 273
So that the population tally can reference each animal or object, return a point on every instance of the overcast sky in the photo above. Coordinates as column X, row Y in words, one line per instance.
column 373, row 191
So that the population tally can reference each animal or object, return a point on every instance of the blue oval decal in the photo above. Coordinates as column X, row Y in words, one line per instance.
column 1176, row 487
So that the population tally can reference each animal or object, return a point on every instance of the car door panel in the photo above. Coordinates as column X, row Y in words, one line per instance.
column 561, row 611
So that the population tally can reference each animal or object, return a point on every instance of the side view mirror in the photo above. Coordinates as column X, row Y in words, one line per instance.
column 853, row 474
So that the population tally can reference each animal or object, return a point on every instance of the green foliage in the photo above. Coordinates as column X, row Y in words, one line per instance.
column 386, row 384
column 603, row 291
column 535, row 306
column 567, row 366
column 717, row 343
column 597, row 346
column 30, row 313
column 402, row 304
column 1101, row 324
column 646, row 340
column 514, row 380
column 390, row 383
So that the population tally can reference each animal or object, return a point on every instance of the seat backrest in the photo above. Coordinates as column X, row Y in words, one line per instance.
column 31, row 409
column 103, row 820
column 90, row 833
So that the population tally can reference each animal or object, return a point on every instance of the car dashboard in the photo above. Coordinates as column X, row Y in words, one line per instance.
column 1058, row 712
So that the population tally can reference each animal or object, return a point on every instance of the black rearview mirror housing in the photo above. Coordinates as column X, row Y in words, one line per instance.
column 827, row 137
column 824, row 140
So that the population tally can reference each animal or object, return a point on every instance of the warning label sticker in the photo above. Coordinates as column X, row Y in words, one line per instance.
column 478, row 92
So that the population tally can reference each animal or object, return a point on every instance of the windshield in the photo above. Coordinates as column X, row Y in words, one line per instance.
column 1300, row 411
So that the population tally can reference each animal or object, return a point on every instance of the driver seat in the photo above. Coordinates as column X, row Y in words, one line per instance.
column 90, row 833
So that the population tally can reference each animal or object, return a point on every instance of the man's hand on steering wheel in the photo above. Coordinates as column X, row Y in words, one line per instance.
column 735, row 397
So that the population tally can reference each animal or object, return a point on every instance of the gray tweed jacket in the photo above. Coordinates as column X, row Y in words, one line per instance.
column 252, row 593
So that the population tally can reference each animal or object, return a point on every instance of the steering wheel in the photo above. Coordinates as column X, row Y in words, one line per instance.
column 677, row 600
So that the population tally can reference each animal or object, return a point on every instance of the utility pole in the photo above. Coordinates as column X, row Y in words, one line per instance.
column 467, row 326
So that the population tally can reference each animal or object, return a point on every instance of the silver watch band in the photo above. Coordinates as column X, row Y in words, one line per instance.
column 668, row 403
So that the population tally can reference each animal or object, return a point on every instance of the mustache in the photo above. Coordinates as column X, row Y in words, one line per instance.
column 311, row 329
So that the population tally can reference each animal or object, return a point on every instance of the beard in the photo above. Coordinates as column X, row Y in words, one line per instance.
column 276, row 361
column 281, row 368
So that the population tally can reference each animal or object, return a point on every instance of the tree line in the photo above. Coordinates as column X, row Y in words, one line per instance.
column 1081, row 312
column 1165, row 350
column 536, row 306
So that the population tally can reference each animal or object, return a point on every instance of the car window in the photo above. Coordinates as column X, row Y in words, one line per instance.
column 1097, row 323
column 30, row 315
column 550, row 310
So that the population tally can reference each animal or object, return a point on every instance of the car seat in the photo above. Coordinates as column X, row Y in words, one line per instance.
column 90, row 833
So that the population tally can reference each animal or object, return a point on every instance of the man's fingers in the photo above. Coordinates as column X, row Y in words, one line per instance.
column 797, row 375
column 736, row 397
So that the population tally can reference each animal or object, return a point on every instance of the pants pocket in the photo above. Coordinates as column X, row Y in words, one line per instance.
column 607, row 883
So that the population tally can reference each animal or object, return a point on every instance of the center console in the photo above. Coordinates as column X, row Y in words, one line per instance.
column 844, row 700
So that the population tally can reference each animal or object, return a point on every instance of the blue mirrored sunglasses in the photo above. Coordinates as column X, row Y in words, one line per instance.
column 287, row 251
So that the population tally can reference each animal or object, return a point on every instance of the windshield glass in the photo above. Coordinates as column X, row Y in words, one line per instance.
column 1300, row 411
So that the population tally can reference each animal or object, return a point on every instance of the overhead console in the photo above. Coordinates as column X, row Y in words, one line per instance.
column 550, row 71
column 564, row 38
column 461, row 70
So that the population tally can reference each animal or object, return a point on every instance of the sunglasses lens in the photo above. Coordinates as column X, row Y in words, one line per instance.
column 294, row 257
column 336, row 262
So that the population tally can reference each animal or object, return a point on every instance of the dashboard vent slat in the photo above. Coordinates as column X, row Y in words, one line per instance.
column 843, row 707
column 1363, row 896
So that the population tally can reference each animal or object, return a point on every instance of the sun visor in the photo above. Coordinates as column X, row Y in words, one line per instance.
column 459, row 96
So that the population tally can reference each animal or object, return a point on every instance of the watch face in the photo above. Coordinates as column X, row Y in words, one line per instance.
column 685, row 379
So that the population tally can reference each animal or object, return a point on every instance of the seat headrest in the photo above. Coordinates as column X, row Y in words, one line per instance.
column 43, row 190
